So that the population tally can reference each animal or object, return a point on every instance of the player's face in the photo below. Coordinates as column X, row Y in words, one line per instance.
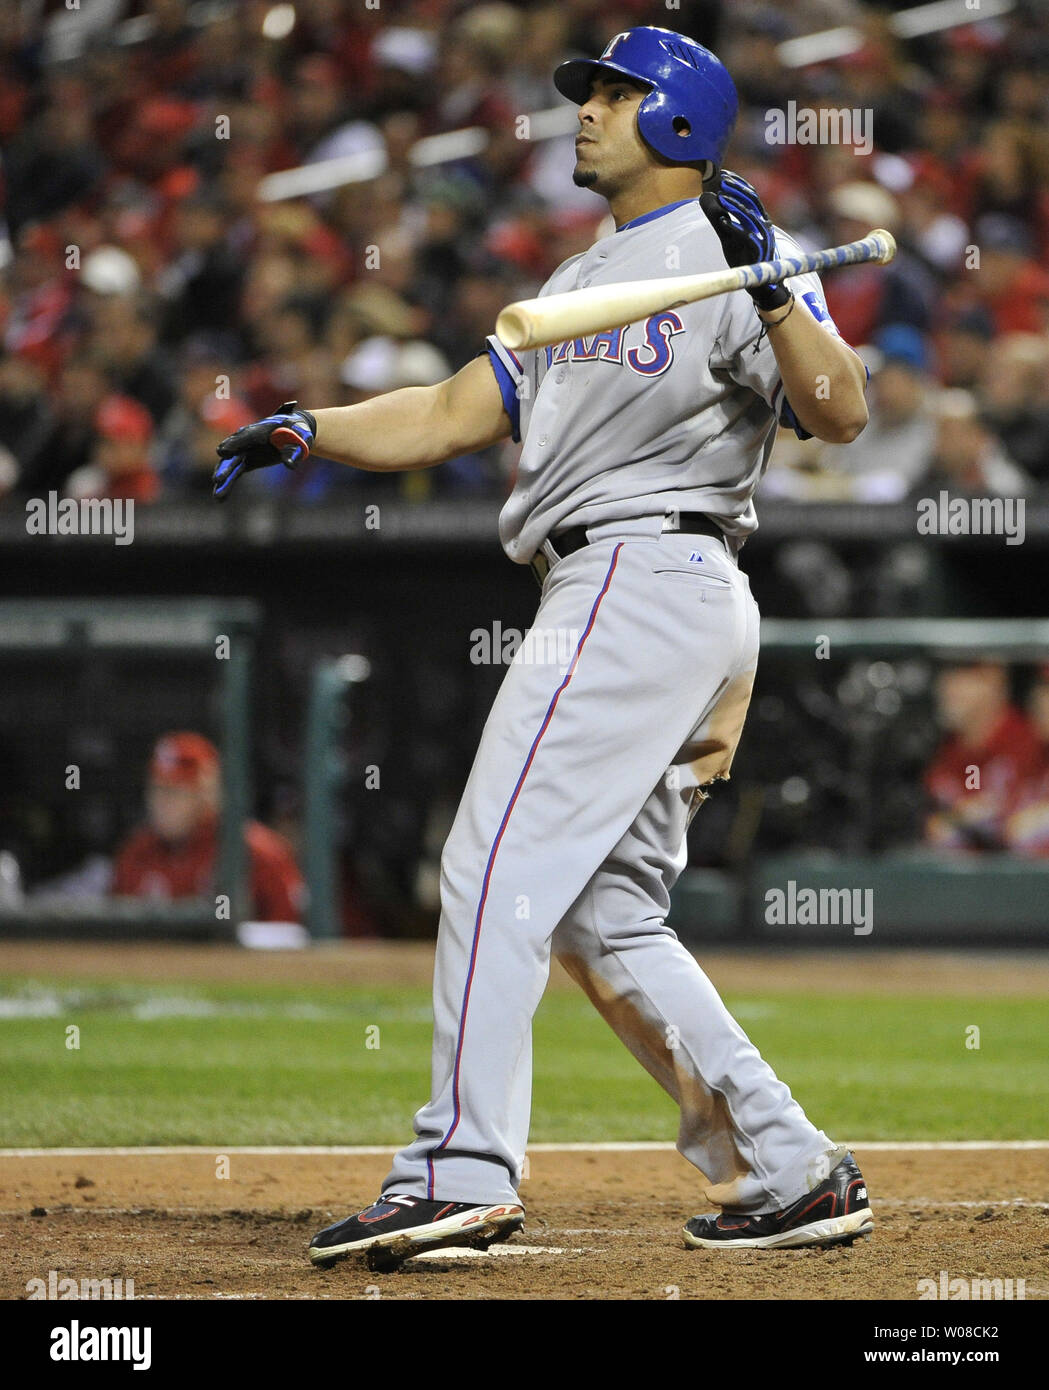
column 610, row 153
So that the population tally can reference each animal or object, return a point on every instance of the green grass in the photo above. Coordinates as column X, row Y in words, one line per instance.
column 180, row 1064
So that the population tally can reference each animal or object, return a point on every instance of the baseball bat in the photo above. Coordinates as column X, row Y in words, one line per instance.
column 555, row 318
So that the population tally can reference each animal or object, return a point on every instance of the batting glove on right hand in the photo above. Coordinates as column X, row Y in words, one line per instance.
column 281, row 438
column 744, row 229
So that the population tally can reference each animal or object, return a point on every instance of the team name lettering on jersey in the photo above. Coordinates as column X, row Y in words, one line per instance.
column 650, row 356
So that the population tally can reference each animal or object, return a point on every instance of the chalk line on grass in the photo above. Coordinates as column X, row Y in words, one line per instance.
column 377, row 1150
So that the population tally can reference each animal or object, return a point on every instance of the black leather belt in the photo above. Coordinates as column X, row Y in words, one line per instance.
column 568, row 542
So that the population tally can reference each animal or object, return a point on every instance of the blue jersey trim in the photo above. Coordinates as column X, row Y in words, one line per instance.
column 508, row 391
column 657, row 212
column 788, row 418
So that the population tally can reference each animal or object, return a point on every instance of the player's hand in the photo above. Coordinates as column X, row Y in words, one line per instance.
column 744, row 229
column 281, row 438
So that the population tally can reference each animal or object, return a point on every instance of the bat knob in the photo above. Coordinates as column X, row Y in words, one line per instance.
column 887, row 251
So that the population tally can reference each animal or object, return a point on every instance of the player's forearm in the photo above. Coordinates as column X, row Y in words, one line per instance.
column 823, row 379
column 400, row 431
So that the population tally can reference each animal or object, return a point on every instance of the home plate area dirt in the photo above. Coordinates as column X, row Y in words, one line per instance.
column 600, row 1225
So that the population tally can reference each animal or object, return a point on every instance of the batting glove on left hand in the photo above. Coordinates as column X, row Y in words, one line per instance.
column 744, row 229
column 281, row 438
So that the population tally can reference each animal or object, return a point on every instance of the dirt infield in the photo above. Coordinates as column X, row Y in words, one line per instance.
column 599, row 1225
column 860, row 970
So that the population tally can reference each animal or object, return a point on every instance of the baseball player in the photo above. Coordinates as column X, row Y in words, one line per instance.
column 641, row 451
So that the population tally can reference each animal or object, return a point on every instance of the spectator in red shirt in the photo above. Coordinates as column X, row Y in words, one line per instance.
column 1011, row 284
column 903, row 292
column 1027, row 828
column 989, row 751
column 121, row 461
column 173, row 856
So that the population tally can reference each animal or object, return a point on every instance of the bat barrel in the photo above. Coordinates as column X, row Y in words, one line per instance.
column 538, row 322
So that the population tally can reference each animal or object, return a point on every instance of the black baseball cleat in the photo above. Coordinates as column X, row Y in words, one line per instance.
column 397, row 1226
column 835, row 1212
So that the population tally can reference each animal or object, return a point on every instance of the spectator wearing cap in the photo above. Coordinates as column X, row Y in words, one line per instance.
column 214, row 418
column 872, row 296
column 402, row 58
column 469, row 89
column 1027, row 827
column 927, row 226
column 150, row 141
column 203, row 371
column 24, row 409
column 943, row 155
column 1012, row 286
column 988, row 752
column 542, row 45
column 761, row 78
column 109, row 270
column 1014, row 399
column 123, row 341
column 285, row 340
column 1012, row 177
column 967, row 58
column 879, row 78
column 368, row 310
column 892, row 454
column 375, row 366
column 53, row 160
column 174, row 854
column 121, row 461
column 967, row 457
column 70, row 439
column 455, row 221
column 202, row 282
column 38, row 295
column 963, row 346
column 318, row 117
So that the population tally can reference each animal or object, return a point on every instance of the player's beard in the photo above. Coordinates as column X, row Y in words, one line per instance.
column 584, row 178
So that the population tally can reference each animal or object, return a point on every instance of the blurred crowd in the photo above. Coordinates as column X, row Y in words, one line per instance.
column 150, row 302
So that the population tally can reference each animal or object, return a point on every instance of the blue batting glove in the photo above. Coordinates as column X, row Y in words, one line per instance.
column 284, row 438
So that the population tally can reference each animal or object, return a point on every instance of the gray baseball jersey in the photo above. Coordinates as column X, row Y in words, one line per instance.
column 572, row 826
column 676, row 412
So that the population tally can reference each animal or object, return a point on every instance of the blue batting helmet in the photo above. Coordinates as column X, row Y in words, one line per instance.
column 690, row 87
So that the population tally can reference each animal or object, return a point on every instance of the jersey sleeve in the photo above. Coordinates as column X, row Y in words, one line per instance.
column 509, row 373
column 745, row 352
